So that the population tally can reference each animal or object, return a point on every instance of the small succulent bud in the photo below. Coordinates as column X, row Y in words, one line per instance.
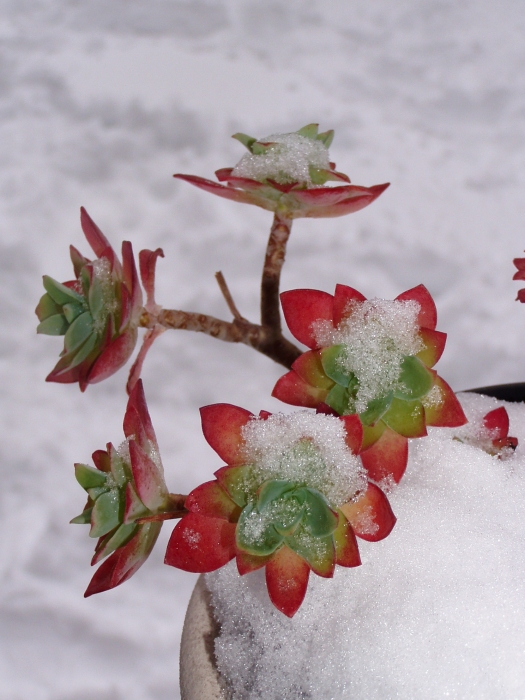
column 286, row 173
column 127, row 498
column 97, row 313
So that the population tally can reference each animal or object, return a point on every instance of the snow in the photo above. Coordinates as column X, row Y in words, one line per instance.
column 100, row 103
column 434, row 611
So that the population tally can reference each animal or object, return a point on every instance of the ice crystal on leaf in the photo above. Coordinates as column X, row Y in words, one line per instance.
column 291, row 499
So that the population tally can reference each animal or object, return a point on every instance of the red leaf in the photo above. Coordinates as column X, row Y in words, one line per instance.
column 448, row 413
column 434, row 345
column 130, row 275
column 123, row 563
column 387, row 458
column 113, row 357
column 101, row 459
column 93, row 234
column 222, row 191
column 246, row 563
column 137, row 412
column 199, row 544
column 211, row 500
column 427, row 316
column 287, row 580
column 291, row 389
column 342, row 298
column 222, row 424
column 346, row 549
column 310, row 368
column 497, row 421
column 149, row 481
column 147, row 265
column 371, row 517
column 351, row 204
column 301, row 308
column 354, row 432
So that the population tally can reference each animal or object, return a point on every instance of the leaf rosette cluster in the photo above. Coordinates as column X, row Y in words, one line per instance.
column 288, row 526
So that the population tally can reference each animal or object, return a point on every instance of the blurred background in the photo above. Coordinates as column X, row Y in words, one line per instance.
column 100, row 103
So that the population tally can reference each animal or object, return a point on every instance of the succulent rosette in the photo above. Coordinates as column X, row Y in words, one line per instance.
column 292, row 498
column 287, row 173
column 371, row 358
column 127, row 498
column 490, row 433
column 97, row 313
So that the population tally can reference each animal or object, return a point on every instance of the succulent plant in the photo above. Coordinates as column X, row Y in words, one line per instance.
column 372, row 358
column 292, row 498
column 286, row 173
column 97, row 313
column 127, row 498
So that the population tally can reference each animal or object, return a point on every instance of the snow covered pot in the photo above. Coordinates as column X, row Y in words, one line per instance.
column 373, row 359
column 292, row 498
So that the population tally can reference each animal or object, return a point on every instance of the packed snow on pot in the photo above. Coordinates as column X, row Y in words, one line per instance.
column 436, row 610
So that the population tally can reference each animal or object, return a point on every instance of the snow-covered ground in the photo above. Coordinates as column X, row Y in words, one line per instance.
column 100, row 102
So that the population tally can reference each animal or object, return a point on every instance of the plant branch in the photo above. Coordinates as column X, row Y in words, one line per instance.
column 228, row 297
column 271, row 276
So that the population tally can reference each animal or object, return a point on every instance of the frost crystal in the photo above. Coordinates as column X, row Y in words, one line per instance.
column 288, row 160
column 308, row 449
column 377, row 334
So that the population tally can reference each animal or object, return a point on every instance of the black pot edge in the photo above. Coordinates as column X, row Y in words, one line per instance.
column 504, row 392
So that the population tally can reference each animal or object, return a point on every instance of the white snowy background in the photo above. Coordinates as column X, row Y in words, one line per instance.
column 101, row 101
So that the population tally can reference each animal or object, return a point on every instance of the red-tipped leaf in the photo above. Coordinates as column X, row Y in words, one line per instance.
column 211, row 500
column 354, row 432
column 344, row 296
column 427, row 316
column 371, row 517
column 294, row 390
column 302, row 308
column 200, row 544
column 387, row 458
column 287, row 580
column 222, row 425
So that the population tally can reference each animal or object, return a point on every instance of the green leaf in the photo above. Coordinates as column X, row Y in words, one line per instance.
column 71, row 311
column 255, row 534
column 319, row 520
column 79, row 331
column 97, row 491
column 338, row 399
column 121, row 536
column 83, row 519
column 53, row 325
column 326, row 137
column 406, row 418
column 318, row 552
column 331, row 359
column 238, row 482
column 271, row 490
column 318, row 176
column 89, row 477
column 259, row 149
column 415, row 379
column 47, row 307
column 246, row 140
column 310, row 131
column 84, row 351
column 376, row 409
column 59, row 292
column 96, row 297
column 106, row 513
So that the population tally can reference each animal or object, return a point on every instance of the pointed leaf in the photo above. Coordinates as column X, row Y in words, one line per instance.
column 223, row 191
column 47, row 307
column 344, row 300
column 497, row 421
column 101, row 459
column 88, row 477
column 246, row 563
column 326, row 137
column 415, row 380
column 294, row 390
column 78, row 260
column 406, row 418
column 376, row 409
column 427, row 316
column 304, row 307
column 246, row 140
column 148, row 478
column 138, row 422
column 338, row 399
column 107, row 513
column 287, row 580
column 371, row 517
column 222, row 425
column 113, row 357
column 211, row 500
column 310, row 131
column 123, row 563
column 434, row 345
column 346, row 549
column 318, row 552
column 200, row 544
column 53, row 325
column 93, row 234
column 387, row 457
column 115, row 540
column 354, row 432
column 83, row 519
column 445, row 411
column 79, row 331
column 310, row 368
column 133, row 508
column 238, row 483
